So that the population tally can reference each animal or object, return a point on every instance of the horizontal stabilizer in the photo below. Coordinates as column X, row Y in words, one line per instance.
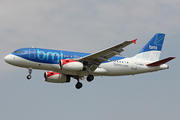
column 158, row 63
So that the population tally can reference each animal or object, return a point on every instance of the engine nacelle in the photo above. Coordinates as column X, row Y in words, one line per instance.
column 55, row 77
column 70, row 65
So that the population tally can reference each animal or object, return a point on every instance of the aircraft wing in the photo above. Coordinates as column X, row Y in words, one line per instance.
column 95, row 59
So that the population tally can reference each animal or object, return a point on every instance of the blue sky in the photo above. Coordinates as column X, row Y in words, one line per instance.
column 89, row 26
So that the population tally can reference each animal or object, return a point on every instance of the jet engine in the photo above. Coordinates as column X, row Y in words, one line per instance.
column 55, row 77
column 66, row 64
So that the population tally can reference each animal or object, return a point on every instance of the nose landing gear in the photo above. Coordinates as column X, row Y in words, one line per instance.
column 30, row 71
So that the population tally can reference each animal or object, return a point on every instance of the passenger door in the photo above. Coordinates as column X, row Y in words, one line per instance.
column 32, row 53
column 134, row 64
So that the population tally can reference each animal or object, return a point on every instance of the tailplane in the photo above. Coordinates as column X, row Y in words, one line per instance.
column 152, row 50
column 158, row 63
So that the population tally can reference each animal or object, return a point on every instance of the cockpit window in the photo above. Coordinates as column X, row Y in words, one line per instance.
column 17, row 51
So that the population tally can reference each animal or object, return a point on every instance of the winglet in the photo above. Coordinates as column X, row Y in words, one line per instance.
column 134, row 41
column 158, row 63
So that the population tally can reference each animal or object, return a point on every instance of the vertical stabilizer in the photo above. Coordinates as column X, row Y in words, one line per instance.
column 152, row 50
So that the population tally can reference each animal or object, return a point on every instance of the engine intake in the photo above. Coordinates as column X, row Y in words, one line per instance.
column 55, row 77
column 66, row 64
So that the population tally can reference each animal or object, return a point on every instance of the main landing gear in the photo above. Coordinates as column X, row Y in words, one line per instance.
column 79, row 84
column 30, row 71
column 90, row 78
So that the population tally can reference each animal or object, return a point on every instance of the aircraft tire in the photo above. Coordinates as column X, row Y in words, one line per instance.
column 29, row 77
column 90, row 78
column 79, row 85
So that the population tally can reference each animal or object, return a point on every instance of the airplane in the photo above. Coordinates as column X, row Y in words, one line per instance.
column 62, row 65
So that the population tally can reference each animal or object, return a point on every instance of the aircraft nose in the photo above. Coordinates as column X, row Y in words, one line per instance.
column 8, row 58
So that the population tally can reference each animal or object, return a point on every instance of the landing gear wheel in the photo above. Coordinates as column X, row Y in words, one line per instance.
column 30, row 71
column 79, row 85
column 90, row 78
column 29, row 77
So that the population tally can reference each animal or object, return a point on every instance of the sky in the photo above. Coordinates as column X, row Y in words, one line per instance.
column 89, row 26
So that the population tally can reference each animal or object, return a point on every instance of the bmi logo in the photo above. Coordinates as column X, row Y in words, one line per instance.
column 152, row 47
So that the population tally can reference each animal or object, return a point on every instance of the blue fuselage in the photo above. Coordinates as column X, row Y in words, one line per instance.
column 51, row 56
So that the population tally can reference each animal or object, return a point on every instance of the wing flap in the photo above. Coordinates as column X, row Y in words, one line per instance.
column 158, row 63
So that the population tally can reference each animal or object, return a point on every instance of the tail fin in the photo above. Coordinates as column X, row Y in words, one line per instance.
column 152, row 50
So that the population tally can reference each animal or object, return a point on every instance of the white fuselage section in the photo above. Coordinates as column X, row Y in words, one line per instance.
column 127, row 66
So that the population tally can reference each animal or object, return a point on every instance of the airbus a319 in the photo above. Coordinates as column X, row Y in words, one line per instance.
column 62, row 65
